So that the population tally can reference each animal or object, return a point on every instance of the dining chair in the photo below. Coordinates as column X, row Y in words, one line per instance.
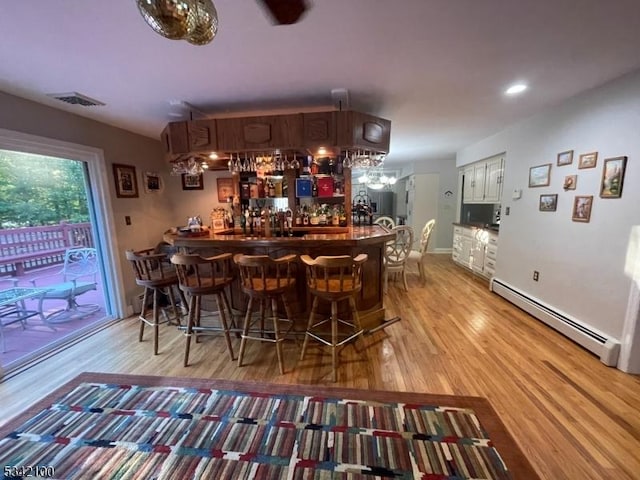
column 397, row 253
column 385, row 221
column 419, row 256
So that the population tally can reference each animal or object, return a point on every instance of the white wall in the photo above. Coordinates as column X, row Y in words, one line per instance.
column 581, row 265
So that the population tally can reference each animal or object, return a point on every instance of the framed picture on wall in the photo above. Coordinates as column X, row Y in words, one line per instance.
column 612, row 177
column 225, row 189
column 582, row 208
column 565, row 158
column 570, row 182
column 192, row 182
column 152, row 182
column 540, row 176
column 588, row 160
column 126, row 180
column 548, row 203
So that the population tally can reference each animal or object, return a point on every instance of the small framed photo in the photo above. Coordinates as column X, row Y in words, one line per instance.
column 152, row 182
column 612, row 177
column 565, row 158
column 192, row 182
column 570, row 182
column 588, row 160
column 225, row 189
column 548, row 203
column 582, row 208
column 126, row 180
column 540, row 176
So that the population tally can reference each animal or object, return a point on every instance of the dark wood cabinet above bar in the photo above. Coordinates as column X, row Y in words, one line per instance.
column 248, row 134
column 300, row 131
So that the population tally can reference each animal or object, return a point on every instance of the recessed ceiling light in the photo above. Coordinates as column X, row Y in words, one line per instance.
column 516, row 88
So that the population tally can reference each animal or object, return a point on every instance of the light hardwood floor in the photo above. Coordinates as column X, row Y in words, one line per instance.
column 573, row 417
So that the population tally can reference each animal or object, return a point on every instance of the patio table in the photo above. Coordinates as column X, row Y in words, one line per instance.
column 13, row 309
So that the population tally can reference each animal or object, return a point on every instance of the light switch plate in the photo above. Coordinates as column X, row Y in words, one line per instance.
column 517, row 193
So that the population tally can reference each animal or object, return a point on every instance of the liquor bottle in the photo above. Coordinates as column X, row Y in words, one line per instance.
column 305, row 216
column 243, row 222
column 272, row 188
column 250, row 220
column 343, row 217
column 298, row 216
column 306, row 169
column 335, row 217
column 314, row 188
column 314, row 166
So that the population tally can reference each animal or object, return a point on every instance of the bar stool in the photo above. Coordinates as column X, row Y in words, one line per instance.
column 154, row 272
column 333, row 278
column 266, row 279
column 199, row 276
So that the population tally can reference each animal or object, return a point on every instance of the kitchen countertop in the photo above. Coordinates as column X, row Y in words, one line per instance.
column 485, row 226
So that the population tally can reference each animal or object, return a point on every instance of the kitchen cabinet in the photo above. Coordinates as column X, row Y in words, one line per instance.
column 483, row 181
column 462, row 245
column 475, row 249
column 490, row 255
column 493, row 180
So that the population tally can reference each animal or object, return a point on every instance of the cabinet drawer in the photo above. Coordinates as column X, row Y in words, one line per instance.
column 492, row 252
column 489, row 264
column 493, row 240
column 457, row 230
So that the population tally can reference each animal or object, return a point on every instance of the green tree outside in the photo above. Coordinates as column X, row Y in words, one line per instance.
column 37, row 190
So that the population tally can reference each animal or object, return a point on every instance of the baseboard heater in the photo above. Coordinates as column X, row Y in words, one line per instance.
column 606, row 348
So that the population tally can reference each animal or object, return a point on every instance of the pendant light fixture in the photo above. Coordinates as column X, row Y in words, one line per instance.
column 195, row 21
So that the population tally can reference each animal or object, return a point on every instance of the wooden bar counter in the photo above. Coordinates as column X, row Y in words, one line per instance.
column 313, row 242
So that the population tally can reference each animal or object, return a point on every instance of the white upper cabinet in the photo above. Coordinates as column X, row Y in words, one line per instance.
column 493, row 180
column 483, row 181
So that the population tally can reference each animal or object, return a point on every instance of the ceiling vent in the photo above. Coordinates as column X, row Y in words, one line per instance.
column 75, row 98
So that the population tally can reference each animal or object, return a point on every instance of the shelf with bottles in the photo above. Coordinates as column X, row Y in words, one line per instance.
column 269, row 186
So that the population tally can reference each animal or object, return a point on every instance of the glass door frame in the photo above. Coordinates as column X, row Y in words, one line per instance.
column 99, row 202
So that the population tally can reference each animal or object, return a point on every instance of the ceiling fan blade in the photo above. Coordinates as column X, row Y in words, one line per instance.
column 284, row 12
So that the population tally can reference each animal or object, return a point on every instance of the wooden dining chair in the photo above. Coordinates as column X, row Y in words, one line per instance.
column 397, row 253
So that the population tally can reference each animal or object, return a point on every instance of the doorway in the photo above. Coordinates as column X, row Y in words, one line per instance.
column 86, row 227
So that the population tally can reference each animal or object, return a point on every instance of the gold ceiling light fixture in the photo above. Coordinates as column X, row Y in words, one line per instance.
column 195, row 21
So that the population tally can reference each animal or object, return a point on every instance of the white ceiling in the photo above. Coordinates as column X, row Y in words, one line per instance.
column 435, row 68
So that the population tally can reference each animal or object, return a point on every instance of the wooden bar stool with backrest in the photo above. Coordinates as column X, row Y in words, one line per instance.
column 154, row 272
column 266, row 280
column 333, row 278
column 199, row 276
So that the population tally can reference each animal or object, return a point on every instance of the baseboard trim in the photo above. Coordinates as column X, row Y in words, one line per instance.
column 605, row 347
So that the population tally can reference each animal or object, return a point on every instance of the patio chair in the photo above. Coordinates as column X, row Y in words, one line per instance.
column 78, row 276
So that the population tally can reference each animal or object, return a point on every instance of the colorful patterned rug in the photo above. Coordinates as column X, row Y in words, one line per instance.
column 110, row 426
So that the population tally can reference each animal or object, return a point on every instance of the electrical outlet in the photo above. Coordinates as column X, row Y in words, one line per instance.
column 127, row 220
column 536, row 275
column 507, row 210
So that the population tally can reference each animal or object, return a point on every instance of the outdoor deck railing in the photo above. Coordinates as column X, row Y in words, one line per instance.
column 28, row 248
